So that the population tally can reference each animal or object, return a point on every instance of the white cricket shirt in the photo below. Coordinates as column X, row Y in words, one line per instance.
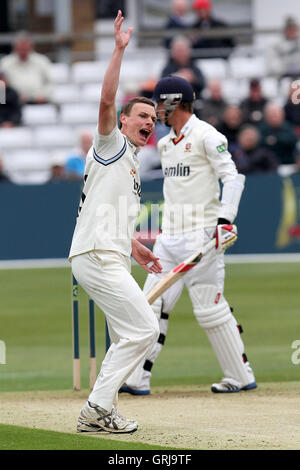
column 192, row 165
column 110, row 199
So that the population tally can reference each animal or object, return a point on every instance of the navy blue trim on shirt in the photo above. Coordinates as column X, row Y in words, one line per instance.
column 110, row 160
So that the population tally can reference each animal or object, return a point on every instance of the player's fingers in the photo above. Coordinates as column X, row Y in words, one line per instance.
column 119, row 14
column 149, row 270
column 156, row 267
column 156, row 270
column 150, row 264
column 119, row 19
column 156, row 261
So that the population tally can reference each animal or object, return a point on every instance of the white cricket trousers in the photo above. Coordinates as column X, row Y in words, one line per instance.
column 132, row 325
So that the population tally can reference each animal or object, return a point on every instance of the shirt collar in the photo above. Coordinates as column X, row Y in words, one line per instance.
column 17, row 58
column 133, row 147
column 185, row 129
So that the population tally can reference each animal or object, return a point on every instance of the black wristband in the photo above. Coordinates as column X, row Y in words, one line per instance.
column 223, row 222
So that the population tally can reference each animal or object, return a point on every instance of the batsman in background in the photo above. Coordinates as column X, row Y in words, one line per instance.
column 103, row 242
column 194, row 158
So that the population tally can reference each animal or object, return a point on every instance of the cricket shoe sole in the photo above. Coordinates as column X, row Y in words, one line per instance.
column 87, row 426
column 230, row 386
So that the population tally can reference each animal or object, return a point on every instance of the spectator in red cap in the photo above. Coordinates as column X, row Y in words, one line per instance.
column 206, row 4
column 215, row 47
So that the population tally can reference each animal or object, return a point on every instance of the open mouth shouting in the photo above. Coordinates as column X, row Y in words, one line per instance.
column 144, row 134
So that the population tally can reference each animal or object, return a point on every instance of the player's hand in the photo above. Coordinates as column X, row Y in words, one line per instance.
column 226, row 235
column 121, row 38
column 145, row 257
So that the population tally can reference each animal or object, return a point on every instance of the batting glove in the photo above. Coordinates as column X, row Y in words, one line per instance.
column 226, row 235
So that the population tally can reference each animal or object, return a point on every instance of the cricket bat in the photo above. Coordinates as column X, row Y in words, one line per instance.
column 169, row 279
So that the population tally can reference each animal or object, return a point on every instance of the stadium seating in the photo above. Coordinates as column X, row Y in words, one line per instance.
column 135, row 70
column 90, row 93
column 28, row 166
column 66, row 93
column 234, row 90
column 34, row 114
column 247, row 67
column 60, row 73
column 88, row 72
column 284, row 86
column 16, row 138
column 79, row 113
column 270, row 87
column 213, row 68
column 55, row 136
column 77, row 87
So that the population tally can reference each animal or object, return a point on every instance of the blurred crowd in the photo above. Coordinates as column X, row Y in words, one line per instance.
column 262, row 135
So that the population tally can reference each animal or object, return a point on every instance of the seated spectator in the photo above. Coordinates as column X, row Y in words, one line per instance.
column 75, row 163
column 231, row 124
column 181, row 63
column 177, row 18
column 253, row 106
column 10, row 112
column 28, row 72
column 216, row 47
column 3, row 177
column 249, row 156
column 277, row 134
column 214, row 106
column 292, row 106
column 283, row 58
column 58, row 171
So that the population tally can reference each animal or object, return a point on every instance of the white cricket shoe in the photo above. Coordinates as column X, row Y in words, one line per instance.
column 228, row 385
column 93, row 418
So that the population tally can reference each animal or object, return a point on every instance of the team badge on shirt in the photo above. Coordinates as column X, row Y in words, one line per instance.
column 137, row 190
column 221, row 148
column 188, row 147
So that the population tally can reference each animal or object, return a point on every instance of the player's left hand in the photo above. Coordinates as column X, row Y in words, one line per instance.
column 226, row 235
column 145, row 257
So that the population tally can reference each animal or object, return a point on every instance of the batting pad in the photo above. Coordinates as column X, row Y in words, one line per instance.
column 210, row 307
column 214, row 315
column 229, row 348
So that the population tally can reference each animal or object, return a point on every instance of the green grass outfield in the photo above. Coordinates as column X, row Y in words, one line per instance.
column 19, row 438
column 36, row 325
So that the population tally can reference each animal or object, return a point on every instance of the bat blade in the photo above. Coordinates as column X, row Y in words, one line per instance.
column 170, row 278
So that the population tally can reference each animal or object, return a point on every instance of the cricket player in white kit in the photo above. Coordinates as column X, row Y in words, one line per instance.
column 103, row 242
column 194, row 158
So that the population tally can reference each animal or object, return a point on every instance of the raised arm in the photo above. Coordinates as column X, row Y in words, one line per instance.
column 107, row 110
